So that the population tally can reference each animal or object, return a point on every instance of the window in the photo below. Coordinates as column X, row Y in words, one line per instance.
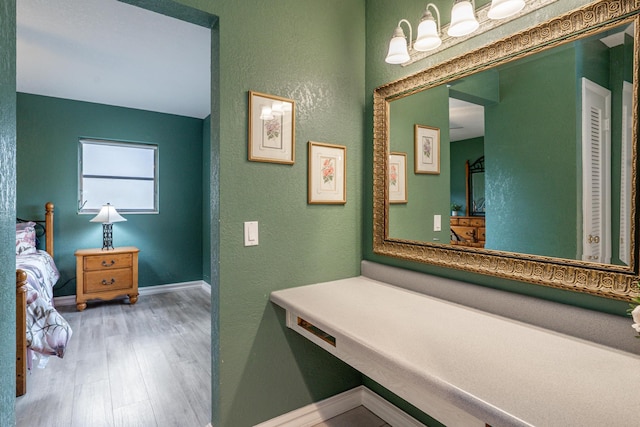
column 124, row 174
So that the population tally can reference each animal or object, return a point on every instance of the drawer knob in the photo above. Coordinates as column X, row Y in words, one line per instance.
column 104, row 263
column 104, row 281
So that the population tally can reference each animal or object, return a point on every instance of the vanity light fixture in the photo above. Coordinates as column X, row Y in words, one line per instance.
column 501, row 9
column 463, row 18
column 464, row 21
column 278, row 108
column 428, row 37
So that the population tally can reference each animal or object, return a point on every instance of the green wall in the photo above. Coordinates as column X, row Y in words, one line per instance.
column 7, row 211
column 311, row 52
column 427, row 194
column 170, row 242
column 530, row 148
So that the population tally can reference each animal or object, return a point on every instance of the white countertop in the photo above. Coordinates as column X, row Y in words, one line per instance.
column 500, row 371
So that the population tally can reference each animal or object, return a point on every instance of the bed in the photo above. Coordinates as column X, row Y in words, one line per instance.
column 40, row 329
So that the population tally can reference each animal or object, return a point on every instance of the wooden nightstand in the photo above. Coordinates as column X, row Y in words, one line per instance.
column 106, row 274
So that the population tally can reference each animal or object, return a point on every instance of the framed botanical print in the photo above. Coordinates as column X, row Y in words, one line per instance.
column 427, row 149
column 271, row 128
column 327, row 173
column 398, row 178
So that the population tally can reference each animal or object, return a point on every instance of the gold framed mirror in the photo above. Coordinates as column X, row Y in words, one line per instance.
column 568, row 70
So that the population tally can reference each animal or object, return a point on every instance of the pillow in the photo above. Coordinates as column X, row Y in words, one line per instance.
column 25, row 238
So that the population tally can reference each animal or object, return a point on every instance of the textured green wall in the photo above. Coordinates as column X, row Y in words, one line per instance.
column 311, row 52
column 170, row 242
column 530, row 147
column 7, row 211
column 427, row 194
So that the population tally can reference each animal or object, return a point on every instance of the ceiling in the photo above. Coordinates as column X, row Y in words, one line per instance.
column 466, row 120
column 109, row 52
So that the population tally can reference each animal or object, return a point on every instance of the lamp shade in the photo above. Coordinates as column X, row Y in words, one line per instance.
column 398, row 51
column 428, row 34
column 501, row 9
column 108, row 215
column 463, row 19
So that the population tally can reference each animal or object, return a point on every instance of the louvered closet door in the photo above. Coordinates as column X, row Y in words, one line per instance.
column 596, row 173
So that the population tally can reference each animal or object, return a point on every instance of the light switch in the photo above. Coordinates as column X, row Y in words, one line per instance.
column 437, row 223
column 251, row 233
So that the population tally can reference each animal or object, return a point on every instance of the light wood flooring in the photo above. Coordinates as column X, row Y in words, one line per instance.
column 142, row 365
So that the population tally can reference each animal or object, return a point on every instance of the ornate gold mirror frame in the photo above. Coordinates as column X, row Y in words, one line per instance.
column 611, row 281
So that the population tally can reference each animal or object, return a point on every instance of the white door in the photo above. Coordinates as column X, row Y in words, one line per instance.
column 596, row 173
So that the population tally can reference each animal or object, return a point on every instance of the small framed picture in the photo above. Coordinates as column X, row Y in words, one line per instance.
column 271, row 129
column 398, row 178
column 427, row 149
column 327, row 173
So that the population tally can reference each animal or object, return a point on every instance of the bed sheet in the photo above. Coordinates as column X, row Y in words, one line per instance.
column 48, row 333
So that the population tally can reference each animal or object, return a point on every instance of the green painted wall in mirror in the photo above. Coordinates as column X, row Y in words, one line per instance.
column 427, row 194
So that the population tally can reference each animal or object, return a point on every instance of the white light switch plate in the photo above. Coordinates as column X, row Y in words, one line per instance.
column 437, row 223
column 251, row 233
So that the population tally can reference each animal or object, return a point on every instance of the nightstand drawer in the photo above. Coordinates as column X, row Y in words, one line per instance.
column 107, row 261
column 103, row 281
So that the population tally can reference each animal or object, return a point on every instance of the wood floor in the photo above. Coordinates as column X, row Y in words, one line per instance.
column 144, row 365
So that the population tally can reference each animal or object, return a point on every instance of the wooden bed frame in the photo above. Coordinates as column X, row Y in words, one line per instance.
column 21, row 308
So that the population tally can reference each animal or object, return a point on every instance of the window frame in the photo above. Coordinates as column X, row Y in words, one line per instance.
column 137, row 145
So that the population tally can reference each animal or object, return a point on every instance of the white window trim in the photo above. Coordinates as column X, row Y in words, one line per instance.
column 156, row 194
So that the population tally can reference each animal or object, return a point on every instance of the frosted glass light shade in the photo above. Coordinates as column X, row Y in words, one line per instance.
column 463, row 19
column 501, row 9
column 108, row 215
column 266, row 113
column 428, row 37
column 277, row 108
column 398, row 51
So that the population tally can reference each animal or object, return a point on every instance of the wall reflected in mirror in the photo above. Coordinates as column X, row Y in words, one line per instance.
column 554, row 133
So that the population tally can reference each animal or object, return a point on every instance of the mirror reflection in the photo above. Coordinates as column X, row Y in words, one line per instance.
column 536, row 152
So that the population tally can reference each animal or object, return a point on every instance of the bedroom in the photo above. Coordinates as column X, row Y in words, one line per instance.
column 94, row 89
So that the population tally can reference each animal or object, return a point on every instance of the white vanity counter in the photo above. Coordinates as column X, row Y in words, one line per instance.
column 464, row 366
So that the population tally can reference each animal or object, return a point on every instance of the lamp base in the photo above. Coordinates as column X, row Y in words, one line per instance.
column 107, row 236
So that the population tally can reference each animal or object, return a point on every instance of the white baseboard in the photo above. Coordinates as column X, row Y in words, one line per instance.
column 147, row 290
column 360, row 396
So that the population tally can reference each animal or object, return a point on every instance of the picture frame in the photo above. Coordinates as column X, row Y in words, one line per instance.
column 271, row 129
column 327, row 173
column 427, row 149
column 397, row 177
